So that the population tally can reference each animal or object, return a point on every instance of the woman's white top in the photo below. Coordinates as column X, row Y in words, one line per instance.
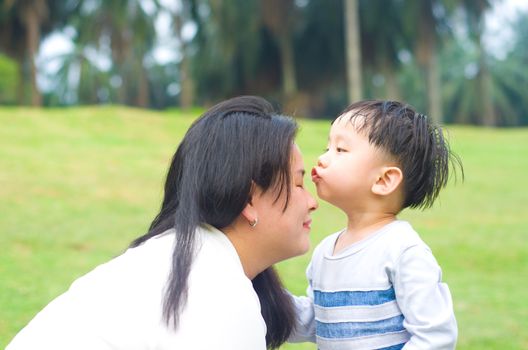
column 119, row 304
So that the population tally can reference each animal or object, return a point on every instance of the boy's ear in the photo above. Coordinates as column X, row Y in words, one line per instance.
column 388, row 181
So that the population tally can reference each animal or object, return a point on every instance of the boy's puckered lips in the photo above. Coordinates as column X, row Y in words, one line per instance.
column 315, row 175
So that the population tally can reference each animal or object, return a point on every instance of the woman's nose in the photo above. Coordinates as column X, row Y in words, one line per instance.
column 312, row 202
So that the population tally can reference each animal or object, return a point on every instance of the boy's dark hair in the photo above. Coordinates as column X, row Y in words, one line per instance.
column 418, row 145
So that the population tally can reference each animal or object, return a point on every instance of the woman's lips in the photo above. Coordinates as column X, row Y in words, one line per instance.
column 315, row 175
column 308, row 224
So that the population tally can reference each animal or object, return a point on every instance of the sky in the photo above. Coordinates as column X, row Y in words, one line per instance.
column 497, row 38
column 498, row 35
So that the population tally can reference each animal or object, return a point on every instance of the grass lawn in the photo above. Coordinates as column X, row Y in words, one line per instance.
column 77, row 185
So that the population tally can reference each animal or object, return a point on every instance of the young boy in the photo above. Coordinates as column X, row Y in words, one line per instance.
column 376, row 284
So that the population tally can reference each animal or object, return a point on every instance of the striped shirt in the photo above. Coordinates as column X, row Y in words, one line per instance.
column 384, row 292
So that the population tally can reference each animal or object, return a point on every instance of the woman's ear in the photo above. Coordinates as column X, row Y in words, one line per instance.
column 250, row 211
column 388, row 181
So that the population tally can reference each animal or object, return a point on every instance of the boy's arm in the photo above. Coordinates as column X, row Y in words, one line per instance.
column 424, row 301
column 304, row 312
column 305, row 320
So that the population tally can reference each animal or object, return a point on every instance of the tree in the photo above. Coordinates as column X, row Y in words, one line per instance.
column 425, row 22
column 426, row 55
column 507, row 79
column 129, row 33
column 321, row 63
column 474, row 10
column 513, row 72
column 277, row 16
column 381, row 43
column 231, row 52
column 186, row 78
column 23, row 24
column 353, row 51
column 21, row 34
column 9, row 74
column 79, row 80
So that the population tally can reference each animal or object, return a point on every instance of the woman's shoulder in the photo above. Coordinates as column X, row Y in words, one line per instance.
column 218, row 286
column 216, row 257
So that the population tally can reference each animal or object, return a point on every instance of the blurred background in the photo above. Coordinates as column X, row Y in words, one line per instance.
column 460, row 61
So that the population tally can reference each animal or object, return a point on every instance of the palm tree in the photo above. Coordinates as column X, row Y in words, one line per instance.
column 277, row 16
column 426, row 56
column 130, row 34
column 21, row 33
column 353, row 50
column 381, row 42
column 475, row 10
column 187, row 86
column 23, row 24
column 423, row 23
column 465, row 97
column 231, row 52
column 79, row 80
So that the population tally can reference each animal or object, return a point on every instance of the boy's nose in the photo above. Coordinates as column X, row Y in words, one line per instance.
column 322, row 161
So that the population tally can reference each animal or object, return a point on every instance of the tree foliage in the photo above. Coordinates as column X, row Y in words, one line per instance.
column 9, row 74
column 430, row 53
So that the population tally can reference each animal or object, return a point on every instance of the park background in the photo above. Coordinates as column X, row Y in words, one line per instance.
column 95, row 96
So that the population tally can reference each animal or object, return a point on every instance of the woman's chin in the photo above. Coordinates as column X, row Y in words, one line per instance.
column 304, row 248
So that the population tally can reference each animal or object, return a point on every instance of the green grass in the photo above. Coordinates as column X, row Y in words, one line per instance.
column 77, row 185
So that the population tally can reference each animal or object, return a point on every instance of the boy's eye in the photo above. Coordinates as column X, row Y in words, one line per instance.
column 339, row 150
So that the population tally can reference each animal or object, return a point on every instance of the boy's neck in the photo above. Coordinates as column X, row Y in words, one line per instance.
column 360, row 226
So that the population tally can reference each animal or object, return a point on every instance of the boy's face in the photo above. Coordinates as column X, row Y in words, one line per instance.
column 345, row 173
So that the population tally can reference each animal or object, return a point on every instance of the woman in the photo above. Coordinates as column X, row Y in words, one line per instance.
column 201, row 277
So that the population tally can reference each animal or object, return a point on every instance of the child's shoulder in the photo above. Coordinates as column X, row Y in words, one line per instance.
column 328, row 242
column 401, row 236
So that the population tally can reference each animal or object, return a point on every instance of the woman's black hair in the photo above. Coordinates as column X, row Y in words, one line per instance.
column 236, row 143
column 417, row 143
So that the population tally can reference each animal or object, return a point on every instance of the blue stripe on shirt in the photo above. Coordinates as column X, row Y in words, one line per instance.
column 359, row 329
column 353, row 298
column 394, row 347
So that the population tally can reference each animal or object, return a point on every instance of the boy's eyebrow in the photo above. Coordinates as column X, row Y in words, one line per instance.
column 339, row 136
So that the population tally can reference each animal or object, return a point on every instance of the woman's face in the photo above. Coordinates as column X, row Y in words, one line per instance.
column 286, row 232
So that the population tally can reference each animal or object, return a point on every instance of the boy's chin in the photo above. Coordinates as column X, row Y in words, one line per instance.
column 324, row 196
column 328, row 198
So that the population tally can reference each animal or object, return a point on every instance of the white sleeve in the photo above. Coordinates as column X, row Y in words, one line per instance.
column 424, row 301
column 58, row 326
column 304, row 330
